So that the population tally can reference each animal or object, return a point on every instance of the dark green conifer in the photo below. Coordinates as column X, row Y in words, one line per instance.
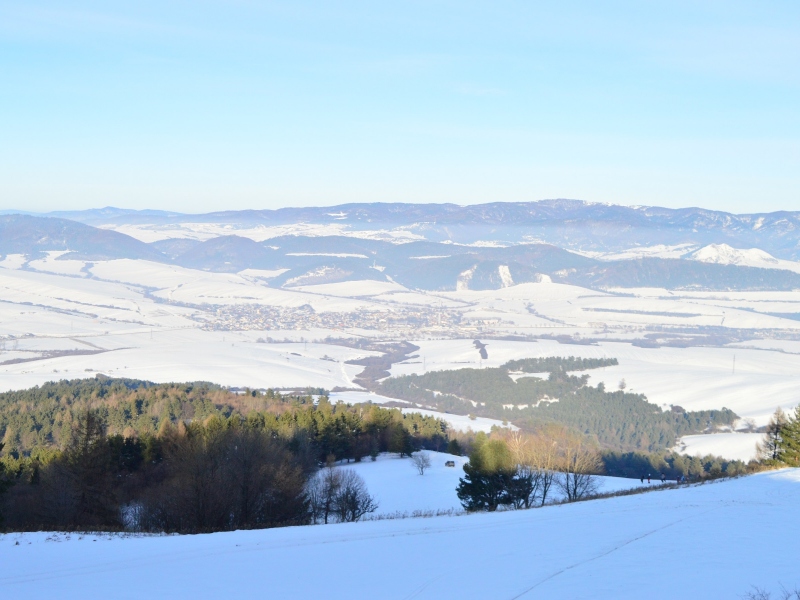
column 790, row 440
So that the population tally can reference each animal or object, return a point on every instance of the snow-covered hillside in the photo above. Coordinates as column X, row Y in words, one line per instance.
column 398, row 487
column 723, row 254
column 731, row 445
column 709, row 541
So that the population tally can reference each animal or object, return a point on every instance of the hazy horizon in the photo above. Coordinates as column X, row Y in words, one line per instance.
column 212, row 209
column 246, row 106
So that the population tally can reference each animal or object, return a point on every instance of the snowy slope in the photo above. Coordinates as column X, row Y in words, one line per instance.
column 722, row 254
column 710, row 541
column 733, row 446
column 398, row 487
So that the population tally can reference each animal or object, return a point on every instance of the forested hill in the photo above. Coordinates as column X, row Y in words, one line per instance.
column 617, row 419
column 41, row 419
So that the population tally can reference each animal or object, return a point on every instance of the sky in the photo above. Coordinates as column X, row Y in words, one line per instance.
column 209, row 105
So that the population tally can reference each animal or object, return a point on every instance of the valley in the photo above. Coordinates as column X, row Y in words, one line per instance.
column 66, row 315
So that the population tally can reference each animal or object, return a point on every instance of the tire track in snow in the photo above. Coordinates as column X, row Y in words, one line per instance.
column 607, row 552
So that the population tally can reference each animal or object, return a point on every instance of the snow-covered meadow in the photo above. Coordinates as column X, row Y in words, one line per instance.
column 62, row 319
column 399, row 488
column 656, row 544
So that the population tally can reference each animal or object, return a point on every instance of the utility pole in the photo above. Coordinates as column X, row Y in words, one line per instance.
column 733, row 372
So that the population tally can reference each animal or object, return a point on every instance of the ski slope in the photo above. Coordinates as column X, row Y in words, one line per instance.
column 709, row 541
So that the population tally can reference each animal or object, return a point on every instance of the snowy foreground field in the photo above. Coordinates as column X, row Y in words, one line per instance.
column 708, row 541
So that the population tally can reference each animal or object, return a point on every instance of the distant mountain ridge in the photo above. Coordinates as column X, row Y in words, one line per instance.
column 571, row 224
column 25, row 234
column 427, row 265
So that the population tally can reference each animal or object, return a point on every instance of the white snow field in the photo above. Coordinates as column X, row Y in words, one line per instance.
column 399, row 488
column 715, row 540
column 731, row 445
column 62, row 319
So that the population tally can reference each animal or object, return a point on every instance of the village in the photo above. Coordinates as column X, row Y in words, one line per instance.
column 409, row 321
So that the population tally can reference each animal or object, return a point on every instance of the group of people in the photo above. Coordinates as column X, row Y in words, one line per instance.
column 678, row 479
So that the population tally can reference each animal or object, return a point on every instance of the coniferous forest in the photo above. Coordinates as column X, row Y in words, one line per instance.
column 616, row 419
column 111, row 453
column 120, row 454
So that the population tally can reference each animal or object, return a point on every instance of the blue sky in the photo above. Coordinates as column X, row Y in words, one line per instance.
column 209, row 105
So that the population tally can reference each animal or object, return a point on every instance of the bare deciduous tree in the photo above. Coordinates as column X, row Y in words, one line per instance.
column 353, row 500
column 758, row 593
column 579, row 464
column 421, row 461
column 322, row 491
column 538, row 458
column 340, row 495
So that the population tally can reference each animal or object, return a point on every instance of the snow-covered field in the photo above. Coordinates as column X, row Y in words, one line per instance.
column 732, row 445
column 399, row 488
column 709, row 541
column 695, row 378
column 134, row 318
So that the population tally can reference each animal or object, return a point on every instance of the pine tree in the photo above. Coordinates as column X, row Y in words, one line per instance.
column 5, row 483
column 401, row 441
column 770, row 448
column 87, row 462
column 790, row 440
column 489, row 478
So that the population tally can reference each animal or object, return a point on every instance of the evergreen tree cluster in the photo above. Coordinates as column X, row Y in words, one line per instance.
column 673, row 465
column 781, row 443
column 36, row 422
column 124, row 454
column 618, row 419
column 211, row 476
column 492, row 479
column 217, row 474
column 554, row 363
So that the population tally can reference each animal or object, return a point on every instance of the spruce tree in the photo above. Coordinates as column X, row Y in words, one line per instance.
column 790, row 440
column 489, row 478
column 5, row 483
column 770, row 449
column 87, row 462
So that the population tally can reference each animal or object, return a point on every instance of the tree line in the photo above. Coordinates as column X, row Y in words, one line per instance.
column 617, row 420
column 557, row 363
column 224, row 471
column 38, row 421
column 671, row 464
column 520, row 470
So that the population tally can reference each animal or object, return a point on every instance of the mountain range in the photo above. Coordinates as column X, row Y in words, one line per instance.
column 572, row 224
column 477, row 247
